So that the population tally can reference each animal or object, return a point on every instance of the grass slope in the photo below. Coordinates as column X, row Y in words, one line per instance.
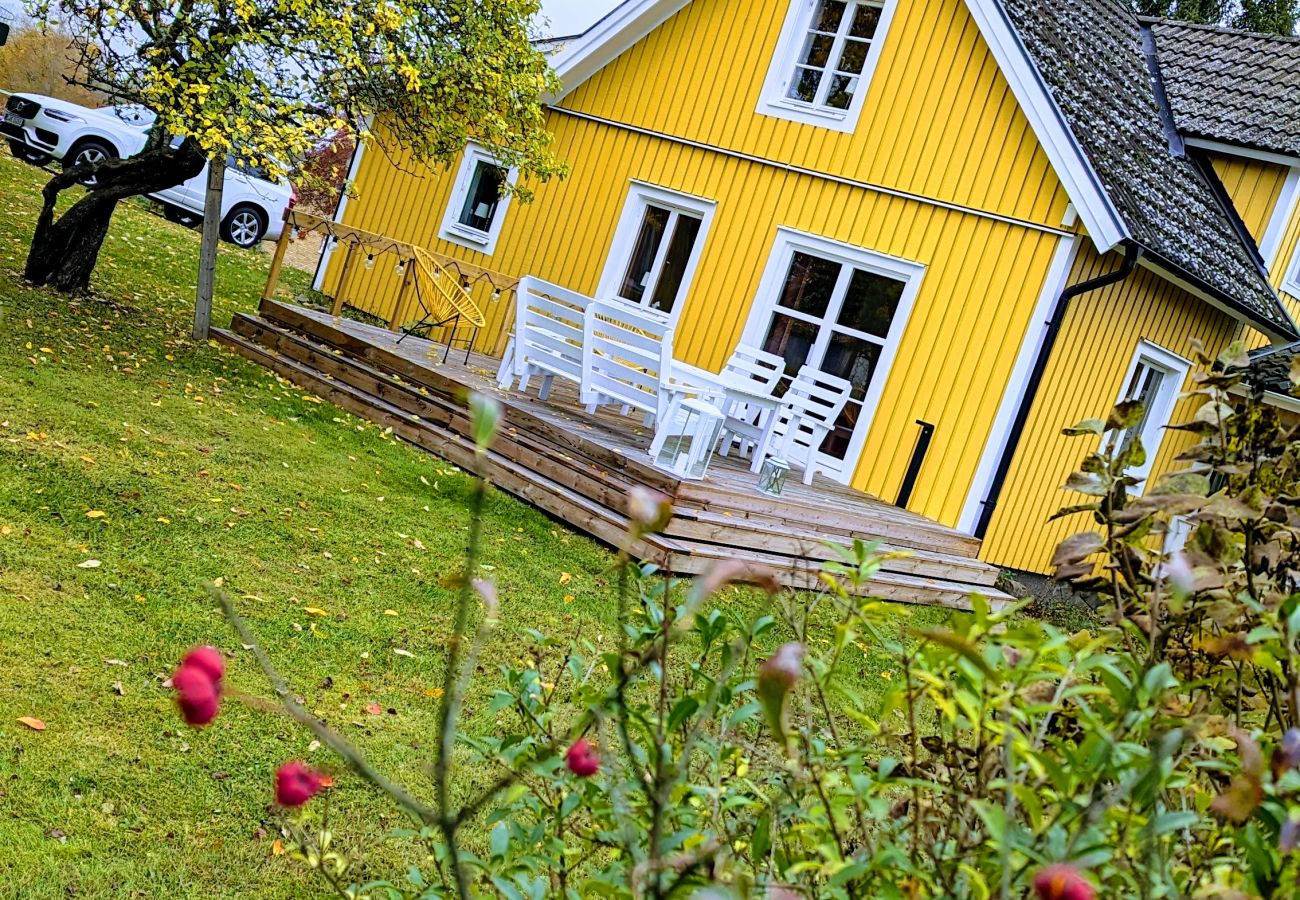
column 173, row 463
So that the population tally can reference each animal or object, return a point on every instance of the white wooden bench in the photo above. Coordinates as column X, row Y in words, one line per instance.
column 548, row 336
column 627, row 355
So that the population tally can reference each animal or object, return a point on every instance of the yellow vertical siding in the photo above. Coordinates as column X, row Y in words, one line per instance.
column 1084, row 378
column 1255, row 188
column 939, row 118
column 982, row 277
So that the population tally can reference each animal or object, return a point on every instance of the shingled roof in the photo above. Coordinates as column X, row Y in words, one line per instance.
column 1091, row 56
column 1232, row 86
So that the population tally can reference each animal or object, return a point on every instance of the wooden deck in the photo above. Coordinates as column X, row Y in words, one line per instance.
column 579, row 467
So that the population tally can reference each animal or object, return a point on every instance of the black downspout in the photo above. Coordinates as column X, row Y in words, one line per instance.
column 1132, row 252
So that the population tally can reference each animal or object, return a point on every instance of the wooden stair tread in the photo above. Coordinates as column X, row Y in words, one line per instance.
column 583, row 483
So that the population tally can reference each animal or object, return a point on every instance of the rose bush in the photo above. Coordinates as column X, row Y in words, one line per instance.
column 1152, row 756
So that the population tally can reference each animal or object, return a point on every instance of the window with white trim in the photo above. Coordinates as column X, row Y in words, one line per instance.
column 1291, row 283
column 824, row 60
column 656, row 248
column 478, row 204
column 1155, row 377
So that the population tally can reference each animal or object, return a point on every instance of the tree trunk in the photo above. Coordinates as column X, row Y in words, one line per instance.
column 64, row 251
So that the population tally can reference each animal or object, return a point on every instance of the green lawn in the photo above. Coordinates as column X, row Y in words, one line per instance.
column 172, row 463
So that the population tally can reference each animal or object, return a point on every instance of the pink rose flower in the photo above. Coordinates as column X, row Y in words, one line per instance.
column 206, row 659
column 198, row 686
column 1062, row 882
column 582, row 760
column 296, row 783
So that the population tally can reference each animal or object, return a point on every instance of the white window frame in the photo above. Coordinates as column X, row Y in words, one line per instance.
column 1176, row 370
column 484, row 242
column 641, row 194
column 774, row 100
column 767, row 302
column 1291, row 283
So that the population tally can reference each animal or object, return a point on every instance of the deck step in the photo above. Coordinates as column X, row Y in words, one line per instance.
column 779, row 540
column 904, row 529
column 554, row 498
column 585, row 485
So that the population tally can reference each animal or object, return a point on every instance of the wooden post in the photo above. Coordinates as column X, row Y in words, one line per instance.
column 277, row 261
column 407, row 277
column 337, row 308
column 208, row 249
column 507, row 323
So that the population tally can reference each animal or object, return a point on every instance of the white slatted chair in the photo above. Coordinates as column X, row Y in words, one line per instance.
column 754, row 372
column 808, row 413
column 548, row 336
column 627, row 353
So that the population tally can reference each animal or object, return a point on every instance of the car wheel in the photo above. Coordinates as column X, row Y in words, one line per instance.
column 244, row 226
column 88, row 152
column 181, row 216
column 27, row 154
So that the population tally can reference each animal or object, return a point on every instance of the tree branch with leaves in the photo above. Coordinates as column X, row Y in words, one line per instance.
column 266, row 80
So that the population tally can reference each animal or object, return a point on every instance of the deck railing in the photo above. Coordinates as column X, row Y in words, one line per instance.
column 399, row 282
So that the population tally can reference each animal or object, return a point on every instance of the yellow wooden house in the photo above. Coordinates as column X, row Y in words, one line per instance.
column 992, row 217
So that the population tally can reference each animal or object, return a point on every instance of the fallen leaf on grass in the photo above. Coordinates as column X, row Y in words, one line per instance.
column 400, row 652
column 374, row 709
column 33, row 723
column 116, row 662
column 89, row 564
column 314, row 611
column 118, row 689
column 95, row 514
column 565, row 578
column 390, row 612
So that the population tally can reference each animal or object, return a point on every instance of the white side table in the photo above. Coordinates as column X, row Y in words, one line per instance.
column 686, row 437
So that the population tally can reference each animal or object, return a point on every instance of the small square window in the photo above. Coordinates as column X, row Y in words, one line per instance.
column 479, row 199
column 824, row 60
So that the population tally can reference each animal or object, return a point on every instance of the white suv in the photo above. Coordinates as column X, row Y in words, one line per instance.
column 40, row 129
column 252, row 205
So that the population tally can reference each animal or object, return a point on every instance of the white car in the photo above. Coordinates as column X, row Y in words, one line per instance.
column 252, row 205
column 40, row 129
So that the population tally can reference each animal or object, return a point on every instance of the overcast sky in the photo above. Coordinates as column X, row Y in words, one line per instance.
column 570, row 17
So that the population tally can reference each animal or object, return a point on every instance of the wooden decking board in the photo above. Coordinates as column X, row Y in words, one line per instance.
column 579, row 467
column 832, row 507
column 601, row 522
column 783, row 537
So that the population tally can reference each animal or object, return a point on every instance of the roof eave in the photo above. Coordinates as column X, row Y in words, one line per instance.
column 1230, row 306
column 586, row 54
column 1069, row 160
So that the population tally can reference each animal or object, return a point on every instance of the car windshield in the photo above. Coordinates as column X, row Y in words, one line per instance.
column 134, row 114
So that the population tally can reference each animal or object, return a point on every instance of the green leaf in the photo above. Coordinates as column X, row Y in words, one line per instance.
column 682, row 710
column 1087, row 426
column 762, row 838
column 499, row 839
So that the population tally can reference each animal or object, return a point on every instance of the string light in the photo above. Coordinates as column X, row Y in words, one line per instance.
column 496, row 295
column 370, row 261
column 401, row 268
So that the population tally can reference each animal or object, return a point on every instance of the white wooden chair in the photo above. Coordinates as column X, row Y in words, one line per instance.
column 808, row 413
column 750, row 377
column 627, row 355
column 548, row 338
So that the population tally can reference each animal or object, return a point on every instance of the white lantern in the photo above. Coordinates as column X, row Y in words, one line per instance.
column 692, row 434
